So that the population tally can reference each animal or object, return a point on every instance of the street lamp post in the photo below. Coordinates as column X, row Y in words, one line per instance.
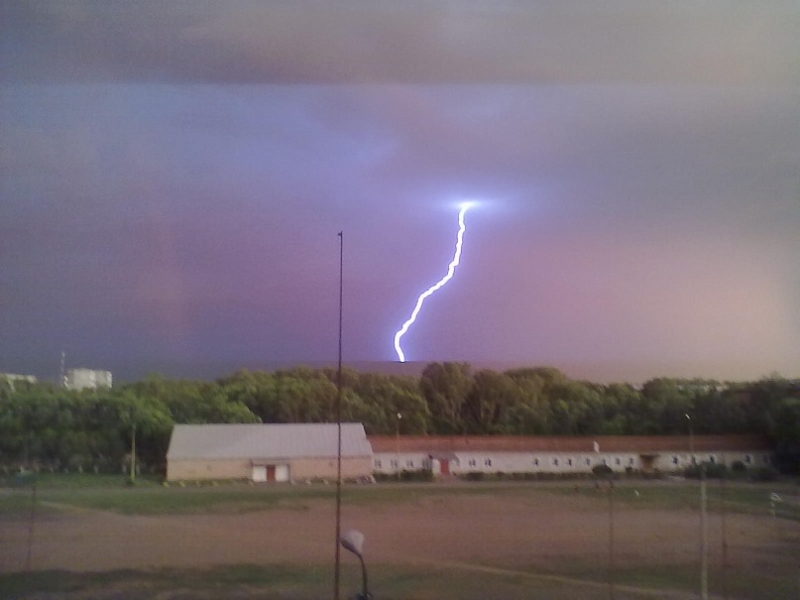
column 703, row 527
column 611, row 537
column 353, row 540
column 397, row 444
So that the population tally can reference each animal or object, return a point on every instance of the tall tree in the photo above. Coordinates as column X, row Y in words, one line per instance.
column 492, row 394
column 445, row 387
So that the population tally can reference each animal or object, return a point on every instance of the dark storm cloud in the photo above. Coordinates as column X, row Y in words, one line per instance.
column 410, row 42
column 173, row 175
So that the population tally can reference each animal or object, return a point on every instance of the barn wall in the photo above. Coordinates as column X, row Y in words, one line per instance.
column 299, row 468
column 325, row 468
column 208, row 469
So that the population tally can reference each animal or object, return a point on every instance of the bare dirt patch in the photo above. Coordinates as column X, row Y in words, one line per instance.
column 538, row 532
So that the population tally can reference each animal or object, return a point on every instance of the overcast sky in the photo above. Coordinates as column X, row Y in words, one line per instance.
column 173, row 177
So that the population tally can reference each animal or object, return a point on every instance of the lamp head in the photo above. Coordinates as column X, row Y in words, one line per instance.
column 353, row 540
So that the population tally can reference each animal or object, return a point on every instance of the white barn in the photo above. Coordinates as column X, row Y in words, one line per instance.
column 458, row 455
column 267, row 452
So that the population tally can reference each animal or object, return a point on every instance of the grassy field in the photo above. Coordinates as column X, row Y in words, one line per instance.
column 293, row 582
column 278, row 582
column 532, row 539
column 149, row 496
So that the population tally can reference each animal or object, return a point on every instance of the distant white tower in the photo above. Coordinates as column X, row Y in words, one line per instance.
column 80, row 379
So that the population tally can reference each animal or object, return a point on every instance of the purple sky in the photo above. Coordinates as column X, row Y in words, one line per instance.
column 173, row 177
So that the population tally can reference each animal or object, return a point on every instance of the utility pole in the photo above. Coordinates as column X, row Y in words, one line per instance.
column 723, row 515
column 339, row 428
column 703, row 516
column 611, row 537
column 133, row 453
column 397, row 444
column 703, row 535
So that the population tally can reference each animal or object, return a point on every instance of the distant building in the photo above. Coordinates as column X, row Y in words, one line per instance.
column 80, row 379
column 268, row 452
column 10, row 378
column 459, row 455
column 306, row 451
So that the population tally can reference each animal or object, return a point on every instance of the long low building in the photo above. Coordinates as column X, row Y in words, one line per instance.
column 458, row 455
column 267, row 452
column 297, row 452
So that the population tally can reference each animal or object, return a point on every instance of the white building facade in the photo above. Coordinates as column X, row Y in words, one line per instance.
column 460, row 455
column 80, row 379
column 11, row 378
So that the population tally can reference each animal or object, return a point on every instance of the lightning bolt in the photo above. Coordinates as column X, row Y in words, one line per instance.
column 451, row 269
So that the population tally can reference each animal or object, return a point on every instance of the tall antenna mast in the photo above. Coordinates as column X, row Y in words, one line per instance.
column 339, row 429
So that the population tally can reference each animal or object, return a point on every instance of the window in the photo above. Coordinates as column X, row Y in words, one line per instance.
column 747, row 459
column 712, row 460
column 472, row 462
column 569, row 462
column 675, row 460
column 410, row 463
column 536, row 462
column 377, row 464
column 605, row 462
column 555, row 462
column 393, row 464
column 588, row 461
column 617, row 462
column 487, row 462
column 630, row 461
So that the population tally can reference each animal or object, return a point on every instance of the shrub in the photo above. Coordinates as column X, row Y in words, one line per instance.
column 712, row 471
column 738, row 467
column 420, row 475
column 473, row 476
column 765, row 474
column 602, row 471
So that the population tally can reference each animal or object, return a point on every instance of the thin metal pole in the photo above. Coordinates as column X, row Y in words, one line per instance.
column 364, row 590
column 611, row 539
column 31, row 526
column 703, row 535
column 723, row 500
column 339, row 427
column 397, row 445
column 133, row 453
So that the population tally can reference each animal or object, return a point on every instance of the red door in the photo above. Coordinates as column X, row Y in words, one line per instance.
column 445, row 466
column 270, row 472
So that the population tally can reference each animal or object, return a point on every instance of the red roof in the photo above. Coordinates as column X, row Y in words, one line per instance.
column 507, row 443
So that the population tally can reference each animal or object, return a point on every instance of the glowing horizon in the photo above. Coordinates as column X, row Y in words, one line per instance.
column 451, row 269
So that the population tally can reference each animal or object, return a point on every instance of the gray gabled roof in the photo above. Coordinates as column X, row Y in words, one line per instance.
column 266, row 441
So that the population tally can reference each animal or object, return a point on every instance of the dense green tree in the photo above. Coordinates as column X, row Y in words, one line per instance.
column 392, row 395
column 492, row 394
column 445, row 387
column 48, row 427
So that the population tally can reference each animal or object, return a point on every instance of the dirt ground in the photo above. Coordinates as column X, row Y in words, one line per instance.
column 509, row 532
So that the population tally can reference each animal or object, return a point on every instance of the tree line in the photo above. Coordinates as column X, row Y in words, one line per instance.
column 43, row 426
